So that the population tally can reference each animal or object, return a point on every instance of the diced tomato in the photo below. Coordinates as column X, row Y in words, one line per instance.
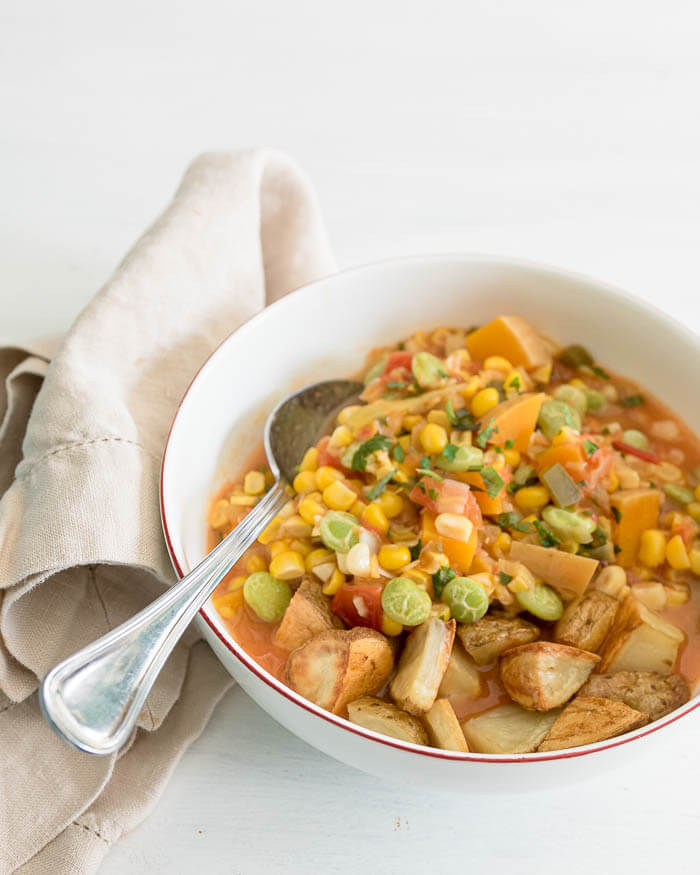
column 398, row 360
column 633, row 451
column 447, row 496
column 359, row 604
column 686, row 528
column 598, row 466
column 326, row 456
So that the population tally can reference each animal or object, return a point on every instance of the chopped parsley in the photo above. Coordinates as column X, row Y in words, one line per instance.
column 492, row 481
column 504, row 578
column 380, row 485
column 428, row 472
column 547, row 538
column 398, row 453
column 486, row 434
column 440, row 580
column 600, row 539
column 617, row 549
column 509, row 444
column 462, row 420
column 513, row 520
column 632, row 401
column 433, row 494
column 606, row 430
column 415, row 550
column 599, row 372
column 616, row 513
column 396, row 384
column 365, row 450
column 514, row 383
column 450, row 452
column 590, row 447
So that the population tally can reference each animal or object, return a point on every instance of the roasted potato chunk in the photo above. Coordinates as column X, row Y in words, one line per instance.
column 588, row 719
column 386, row 718
column 422, row 665
column 508, row 729
column 443, row 727
column 307, row 614
column 586, row 621
column 640, row 640
column 646, row 691
column 544, row 675
column 462, row 678
column 336, row 667
column 490, row 636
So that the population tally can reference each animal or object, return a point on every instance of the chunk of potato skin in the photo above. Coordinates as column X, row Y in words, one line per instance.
column 443, row 727
column 568, row 573
column 508, row 729
column 307, row 615
column 493, row 634
column 649, row 692
column 335, row 667
column 544, row 675
column 589, row 719
column 586, row 621
column 422, row 665
column 640, row 640
column 386, row 718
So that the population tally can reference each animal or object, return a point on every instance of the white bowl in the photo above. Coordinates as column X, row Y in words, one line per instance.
column 325, row 330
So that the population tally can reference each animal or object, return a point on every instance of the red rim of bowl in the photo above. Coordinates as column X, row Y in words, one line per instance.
column 340, row 722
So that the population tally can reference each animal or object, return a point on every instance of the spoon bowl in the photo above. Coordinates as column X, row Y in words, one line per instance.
column 93, row 699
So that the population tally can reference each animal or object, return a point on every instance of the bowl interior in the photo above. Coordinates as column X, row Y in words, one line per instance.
column 326, row 329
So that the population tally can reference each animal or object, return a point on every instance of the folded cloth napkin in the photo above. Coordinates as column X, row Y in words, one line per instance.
column 81, row 436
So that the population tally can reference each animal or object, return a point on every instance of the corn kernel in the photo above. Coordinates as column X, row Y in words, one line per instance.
column 269, row 533
column 518, row 585
column 513, row 382
column 676, row 554
column 256, row 563
column 403, row 473
column 484, row 401
column 243, row 500
column 338, row 496
column 470, row 388
column 277, row 547
column 441, row 611
column 697, row 493
column 439, row 417
column 394, row 556
column 254, row 483
column 612, row 481
column 405, row 442
column 219, row 514
column 419, row 577
column 318, row 557
column 391, row 627
column 301, row 546
column 694, row 510
column 326, row 475
column 295, row 527
column 345, row 414
column 287, row 565
column 310, row 508
column 503, row 542
column 305, row 481
column 341, row 437
column 334, row 582
column 543, row 374
column 694, row 558
column 358, row 508
column 453, row 525
column 310, row 460
column 432, row 560
column 531, row 498
column 391, row 503
column 512, row 457
column 410, row 421
column 497, row 363
column 578, row 383
column 375, row 516
column 228, row 604
column 433, row 438
column 238, row 582
column 652, row 548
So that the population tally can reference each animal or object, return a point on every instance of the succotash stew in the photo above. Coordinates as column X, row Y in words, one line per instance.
column 496, row 551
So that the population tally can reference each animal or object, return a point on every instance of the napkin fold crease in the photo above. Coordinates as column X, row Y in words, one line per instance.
column 82, row 428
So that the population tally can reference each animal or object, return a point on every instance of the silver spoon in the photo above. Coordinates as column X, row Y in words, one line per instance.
column 93, row 698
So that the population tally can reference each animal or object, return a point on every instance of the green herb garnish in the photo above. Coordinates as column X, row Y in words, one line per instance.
column 512, row 520
column 509, row 444
column 440, row 580
column 486, row 434
column 599, row 372
column 415, row 550
column 547, row 539
column 492, row 481
column 398, row 453
column 590, row 447
column 450, row 452
column 396, row 384
column 504, row 578
column 433, row 493
column 365, row 450
column 380, row 485
column 616, row 513
column 463, row 420
column 632, row 401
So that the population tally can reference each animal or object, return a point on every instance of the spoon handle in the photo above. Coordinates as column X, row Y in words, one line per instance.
column 93, row 699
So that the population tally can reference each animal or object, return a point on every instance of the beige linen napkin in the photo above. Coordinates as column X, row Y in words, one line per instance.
column 81, row 437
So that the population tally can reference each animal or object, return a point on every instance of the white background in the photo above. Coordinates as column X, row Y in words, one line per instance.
column 563, row 132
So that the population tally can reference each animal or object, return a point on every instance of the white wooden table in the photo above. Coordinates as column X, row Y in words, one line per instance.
column 568, row 134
